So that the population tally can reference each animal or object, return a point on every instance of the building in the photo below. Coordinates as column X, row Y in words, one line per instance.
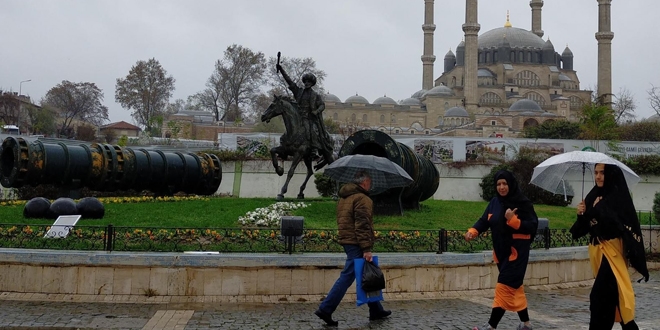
column 119, row 129
column 496, row 84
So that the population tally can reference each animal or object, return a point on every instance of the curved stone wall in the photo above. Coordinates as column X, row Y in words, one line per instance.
column 266, row 277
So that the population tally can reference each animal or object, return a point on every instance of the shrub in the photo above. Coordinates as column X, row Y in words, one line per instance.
column 324, row 184
column 644, row 164
column 523, row 168
column 656, row 206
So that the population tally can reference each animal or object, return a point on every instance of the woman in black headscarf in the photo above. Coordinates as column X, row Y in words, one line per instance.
column 608, row 215
column 513, row 222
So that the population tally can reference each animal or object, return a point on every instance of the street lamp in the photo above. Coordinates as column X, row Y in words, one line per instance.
column 20, row 86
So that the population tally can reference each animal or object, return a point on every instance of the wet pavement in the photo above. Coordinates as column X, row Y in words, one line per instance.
column 555, row 309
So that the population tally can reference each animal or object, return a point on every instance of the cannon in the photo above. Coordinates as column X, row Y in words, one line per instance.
column 105, row 167
column 421, row 170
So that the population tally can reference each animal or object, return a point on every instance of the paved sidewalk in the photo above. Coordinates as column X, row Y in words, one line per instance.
column 557, row 309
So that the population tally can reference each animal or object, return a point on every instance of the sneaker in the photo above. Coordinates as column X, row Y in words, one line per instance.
column 522, row 326
column 486, row 326
column 380, row 315
column 327, row 318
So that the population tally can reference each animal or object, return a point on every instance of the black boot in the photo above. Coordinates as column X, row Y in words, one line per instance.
column 326, row 317
column 379, row 315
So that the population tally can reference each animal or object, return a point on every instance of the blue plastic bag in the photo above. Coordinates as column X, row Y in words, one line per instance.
column 365, row 297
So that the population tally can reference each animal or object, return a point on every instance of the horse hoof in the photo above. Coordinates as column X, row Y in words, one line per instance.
column 279, row 171
column 280, row 197
column 301, row 196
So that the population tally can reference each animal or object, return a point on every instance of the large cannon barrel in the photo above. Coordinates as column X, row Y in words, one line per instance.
column 105, row 167
column 421, row 170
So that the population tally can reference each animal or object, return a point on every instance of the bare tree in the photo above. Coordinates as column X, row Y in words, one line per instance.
column 654, row 99
column 9, row 108
column 235, row 83
column 624, row 106
column 145, row 91
column 79, row 101
column 296, row 67
column 216, row 98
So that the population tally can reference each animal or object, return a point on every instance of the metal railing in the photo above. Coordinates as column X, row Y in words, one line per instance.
column 154, row 239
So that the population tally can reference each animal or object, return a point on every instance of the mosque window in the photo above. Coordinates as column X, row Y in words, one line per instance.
column 576, row 101
column 536, row 97
column 353, row 117
column 521, row 56
column 513, row 56
column 396, row 131
column 412, row 131
column 446, row 105
column 335, row 116
column 529, row 57
column 382, row 119
column 493, row 123
column 487, row 57
column 490, row 98
column 427, row 132
column 364, row 118
column 527, row 78
column 496, row 56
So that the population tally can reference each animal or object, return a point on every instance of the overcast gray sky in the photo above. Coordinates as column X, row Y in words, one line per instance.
column 369, row 47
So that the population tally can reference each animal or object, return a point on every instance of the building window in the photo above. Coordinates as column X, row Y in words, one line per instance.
column 396, row 131
column 527, row 78
column 521, row 57
column 364, row 118
column 353, row 117
column 412, row 131
column 493, row 123
column 382, row 119
column 490, row 98
column 536, row 97
column 335, row 116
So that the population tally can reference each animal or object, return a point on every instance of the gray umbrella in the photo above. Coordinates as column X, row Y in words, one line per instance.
column 384, row 173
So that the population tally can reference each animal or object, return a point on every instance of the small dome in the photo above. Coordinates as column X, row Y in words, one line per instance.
column 461, row 45
column 439, row 91
column 456, row 112
column 484, row 73
column 331, row 98
column 356, row 99
column 418, row 94
column 563, row 77
column 654, row 118
column 450, row 55
column 385, row 100
column 567, row 52
column 411, row 101
column 524, row 105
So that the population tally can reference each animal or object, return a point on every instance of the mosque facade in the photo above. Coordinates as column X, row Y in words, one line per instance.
column 494, row 85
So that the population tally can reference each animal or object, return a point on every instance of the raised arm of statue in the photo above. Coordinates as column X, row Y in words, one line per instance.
column 286, row 76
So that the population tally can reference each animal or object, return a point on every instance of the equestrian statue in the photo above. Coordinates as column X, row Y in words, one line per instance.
column 306, row 138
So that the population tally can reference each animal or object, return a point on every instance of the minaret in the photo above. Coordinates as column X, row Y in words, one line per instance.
column 536, row 16
column 428, row 58
column 471, row 29
column 604, row 37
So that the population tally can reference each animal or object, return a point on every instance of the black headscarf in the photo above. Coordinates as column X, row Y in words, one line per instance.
column 617, row 201
column 514, row 199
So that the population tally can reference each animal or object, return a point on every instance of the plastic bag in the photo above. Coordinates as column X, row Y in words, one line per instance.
column 363, row 296
column 372, row 277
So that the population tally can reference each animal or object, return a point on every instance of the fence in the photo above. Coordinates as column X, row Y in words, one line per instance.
column 111, row 238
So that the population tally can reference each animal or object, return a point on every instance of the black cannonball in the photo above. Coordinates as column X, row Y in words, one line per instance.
column 37, row 207
column 63, row 206
column 91, row 208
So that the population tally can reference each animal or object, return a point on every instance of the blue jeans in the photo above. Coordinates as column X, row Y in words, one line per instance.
column 345, row 280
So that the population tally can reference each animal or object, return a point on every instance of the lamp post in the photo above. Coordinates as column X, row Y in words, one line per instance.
column 20, row 86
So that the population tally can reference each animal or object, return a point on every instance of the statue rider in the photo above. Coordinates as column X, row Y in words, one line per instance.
column 311, row 106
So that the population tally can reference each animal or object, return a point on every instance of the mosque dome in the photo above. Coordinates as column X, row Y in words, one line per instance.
column 439, row 91
column 356, row 99
column 484, row 73
column 456, row 112
column 450, row 55
column 385, row 100
column 563, row 77
column 418, row 94
column 331, row 98
column 411, row 101
column 525, row 105
column 654, row 118
column 516, row 37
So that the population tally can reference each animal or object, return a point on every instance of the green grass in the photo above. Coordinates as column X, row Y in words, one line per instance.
column 224, row 213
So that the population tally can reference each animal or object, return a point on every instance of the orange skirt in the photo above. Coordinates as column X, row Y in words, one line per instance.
column 509, row 299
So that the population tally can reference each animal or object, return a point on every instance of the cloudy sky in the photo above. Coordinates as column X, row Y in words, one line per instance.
column 369, row 47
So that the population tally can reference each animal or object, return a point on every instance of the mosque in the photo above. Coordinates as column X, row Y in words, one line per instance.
column 496, row 84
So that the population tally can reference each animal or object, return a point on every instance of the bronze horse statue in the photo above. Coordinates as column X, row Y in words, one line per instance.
column 295, row 142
